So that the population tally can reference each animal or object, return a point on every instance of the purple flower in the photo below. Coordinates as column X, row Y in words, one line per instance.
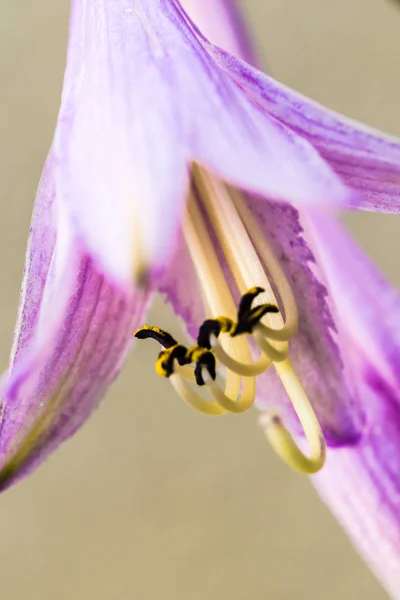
column 178, row 168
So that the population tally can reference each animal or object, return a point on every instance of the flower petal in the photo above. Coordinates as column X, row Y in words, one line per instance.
column 121, row 164
column 361, row 484
column 147, row 99
column 39, row 253
column 368, row 305
column 181, row 289
column 366, row 159
column 239, row 141
column 70, row 343
column 222, row 22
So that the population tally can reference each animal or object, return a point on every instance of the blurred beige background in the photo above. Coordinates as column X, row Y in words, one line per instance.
column 150, row 500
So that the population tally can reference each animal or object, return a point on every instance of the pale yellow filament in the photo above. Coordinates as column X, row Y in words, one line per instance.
column 248, row 370
column 277, row 275
column 236, row 245
column 231, row 225
column 268, row 349
column 217, row 294
column 281, row 440
column 246, row 401
column 185, row 372
column 232, row 221
column 194, row 400
column 219, row 300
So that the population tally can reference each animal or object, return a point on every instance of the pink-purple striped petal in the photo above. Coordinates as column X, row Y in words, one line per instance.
column 368, row 306
column 143, row 98
column 222, row 23
column 366, row 160
column 361, row 484
column 73, row 332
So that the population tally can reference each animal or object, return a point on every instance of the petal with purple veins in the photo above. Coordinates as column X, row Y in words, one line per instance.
column 361, row 483
column 222, row 22
column 367, row 160
column 73, row 332
column 367, row 304
column 120, row 153
column 147, row 99
column 39, row 253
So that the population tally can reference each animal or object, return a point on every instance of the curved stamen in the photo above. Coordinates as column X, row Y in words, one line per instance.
column 267, row 348
column 279, row 437
column 232, row 221
column 258, row 367
column 217, row 296
column 248, row 319
column 194, row 400
column 282, row 285
column 229, row 227
column 234, row 406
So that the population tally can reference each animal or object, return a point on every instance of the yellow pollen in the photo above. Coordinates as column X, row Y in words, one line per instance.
column 268, row 319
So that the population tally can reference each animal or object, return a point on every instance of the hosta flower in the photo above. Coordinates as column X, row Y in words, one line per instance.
column 177, row 168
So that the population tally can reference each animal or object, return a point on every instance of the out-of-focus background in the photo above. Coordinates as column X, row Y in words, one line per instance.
column 150, row 500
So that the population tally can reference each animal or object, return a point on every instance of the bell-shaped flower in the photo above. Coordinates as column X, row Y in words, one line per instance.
column 181, row 169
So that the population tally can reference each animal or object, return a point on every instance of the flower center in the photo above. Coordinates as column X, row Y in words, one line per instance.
column 267, row 313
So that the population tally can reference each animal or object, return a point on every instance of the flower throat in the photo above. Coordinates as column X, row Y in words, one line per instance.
column 223, row 337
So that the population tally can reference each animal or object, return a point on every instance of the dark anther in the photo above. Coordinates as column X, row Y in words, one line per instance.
column 214, row 327
column 166, row 358
column 247, row 324
column 207, row 329
column 247, row 300
column 249, row 317
column 155, row 333
column 201, row 354
column 206, row 360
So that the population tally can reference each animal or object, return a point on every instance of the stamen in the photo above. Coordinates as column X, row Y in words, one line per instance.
column 281, row 283
column 166, row 359
column 267, row 348
column 195, row 400
column 220, row 202
column 281, row 440
column 261, row 365
column 217, row 295
column 224, row 338
column 212, row 328
column 204, row 359
column 249, row 317
column 235, row 406
column 162, row 337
